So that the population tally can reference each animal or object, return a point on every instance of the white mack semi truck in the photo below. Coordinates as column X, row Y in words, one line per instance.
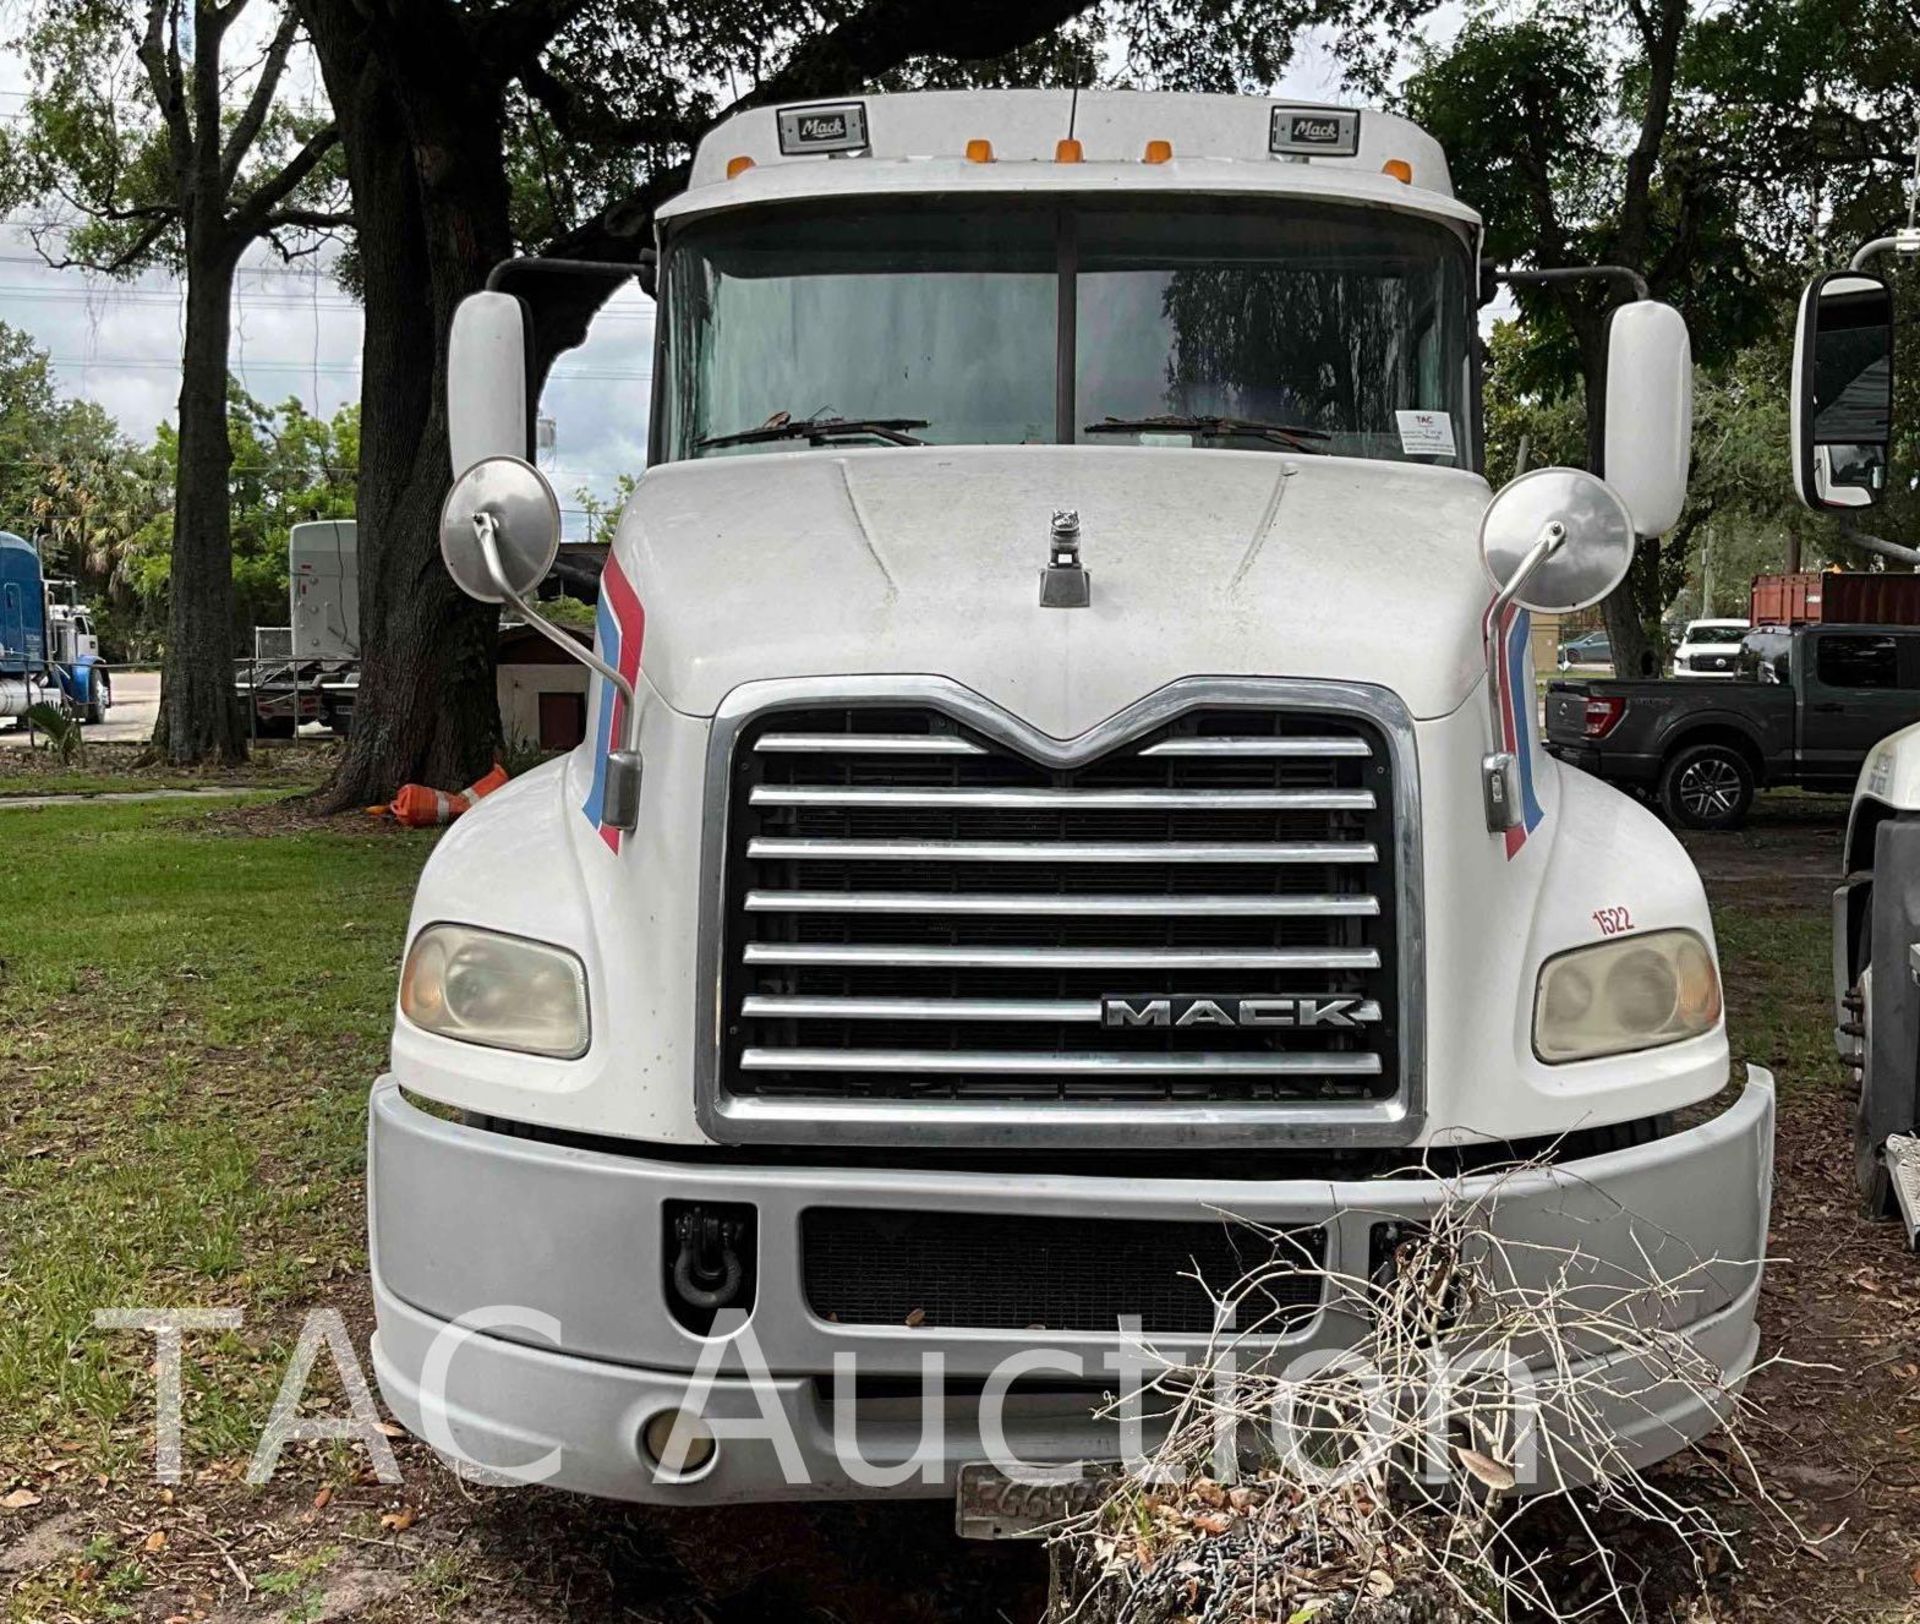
column 1063, row 771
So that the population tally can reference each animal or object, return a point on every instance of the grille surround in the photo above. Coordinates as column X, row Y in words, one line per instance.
column 731, row 1117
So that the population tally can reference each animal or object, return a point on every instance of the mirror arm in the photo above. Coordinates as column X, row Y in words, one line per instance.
column 1499, row 780
column 1874, row 544
column 1906, row 241
column 623, row 783
column 1622, row 274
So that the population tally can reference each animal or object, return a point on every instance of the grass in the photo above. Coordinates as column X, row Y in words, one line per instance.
column 189, row 1019
column 1776, row 967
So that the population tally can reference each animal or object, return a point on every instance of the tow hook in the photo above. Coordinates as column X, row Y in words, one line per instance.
column 707, row 1270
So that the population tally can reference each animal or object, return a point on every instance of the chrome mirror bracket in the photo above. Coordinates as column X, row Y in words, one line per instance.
column 1500, row 790
column 621, row 807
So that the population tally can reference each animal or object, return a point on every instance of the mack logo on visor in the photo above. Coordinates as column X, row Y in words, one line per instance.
column 1324, row 132
column 1319, row 1009
column 841, row 127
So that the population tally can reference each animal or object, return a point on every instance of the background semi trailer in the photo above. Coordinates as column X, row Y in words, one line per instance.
column 49, row 653
column 309, row 670
column 1061, row 770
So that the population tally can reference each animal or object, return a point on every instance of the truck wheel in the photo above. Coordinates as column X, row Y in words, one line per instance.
column 1707, row 786
column 1870, row 1171
column 99, row 699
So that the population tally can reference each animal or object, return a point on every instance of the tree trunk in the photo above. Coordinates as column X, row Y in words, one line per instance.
column 430, row 227
column 199, row 718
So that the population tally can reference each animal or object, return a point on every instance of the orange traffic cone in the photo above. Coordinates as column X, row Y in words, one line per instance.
column 419, row 807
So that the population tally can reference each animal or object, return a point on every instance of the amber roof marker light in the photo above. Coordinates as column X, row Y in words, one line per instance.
column 737, row 167
column 1158, row 152
column 979, row 151
column 1398, row 169
column 1068, row 151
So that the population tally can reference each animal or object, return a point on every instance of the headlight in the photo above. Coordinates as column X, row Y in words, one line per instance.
column 503, row 991
column 1635, row 993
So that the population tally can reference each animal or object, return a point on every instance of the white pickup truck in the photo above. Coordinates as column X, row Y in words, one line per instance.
column 1062, row 772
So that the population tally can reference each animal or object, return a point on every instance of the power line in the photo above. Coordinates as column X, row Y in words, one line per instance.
column 560, row 374
column 241, row 297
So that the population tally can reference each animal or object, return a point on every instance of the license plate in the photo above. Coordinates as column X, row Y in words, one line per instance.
column 987, row 1504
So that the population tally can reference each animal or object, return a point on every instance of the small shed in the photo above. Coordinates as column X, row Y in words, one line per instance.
column 543, row 693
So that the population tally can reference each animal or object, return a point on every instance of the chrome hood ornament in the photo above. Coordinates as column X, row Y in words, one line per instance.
column 1063, row 583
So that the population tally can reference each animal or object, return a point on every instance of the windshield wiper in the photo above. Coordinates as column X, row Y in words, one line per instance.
column 1291, row 435
column 819, row 430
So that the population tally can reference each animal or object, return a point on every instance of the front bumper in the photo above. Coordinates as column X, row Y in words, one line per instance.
column 466, row 1221
column 1613, row 766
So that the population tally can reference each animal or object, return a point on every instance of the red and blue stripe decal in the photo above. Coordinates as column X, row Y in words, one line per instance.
column 1516, row 690
column 619, row 630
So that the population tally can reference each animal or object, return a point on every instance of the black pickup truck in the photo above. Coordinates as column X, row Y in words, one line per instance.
column 1807, row 707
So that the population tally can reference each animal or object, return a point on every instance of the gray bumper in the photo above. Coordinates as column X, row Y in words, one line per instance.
column 466, row 1221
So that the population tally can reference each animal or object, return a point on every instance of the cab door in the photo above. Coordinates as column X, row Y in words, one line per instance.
column 13, row 630
column 1859, row 687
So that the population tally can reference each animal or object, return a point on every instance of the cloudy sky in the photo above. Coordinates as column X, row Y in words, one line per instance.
column 296, row 334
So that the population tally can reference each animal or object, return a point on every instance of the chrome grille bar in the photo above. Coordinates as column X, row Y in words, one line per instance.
column 1002, row 1063
column 1069, row 1011
column 1068, row 958
column 867, row 744
column 1075, row 1011
column 1030, row 905
column 1062, row 851
column 1075, row 800
column 1258, row 748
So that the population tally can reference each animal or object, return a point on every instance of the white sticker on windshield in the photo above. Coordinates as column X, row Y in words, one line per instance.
column 1425, row 434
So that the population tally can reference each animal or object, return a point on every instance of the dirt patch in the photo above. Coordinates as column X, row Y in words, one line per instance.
column 1788, row 855
column 45, row 1542
column 289, row 766
column 296, row 815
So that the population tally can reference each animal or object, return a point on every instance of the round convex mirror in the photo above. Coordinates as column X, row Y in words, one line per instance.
column 526, row 528
column 1586, row 566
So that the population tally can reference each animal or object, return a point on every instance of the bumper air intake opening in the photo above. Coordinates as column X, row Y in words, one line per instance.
column 1014, row 1272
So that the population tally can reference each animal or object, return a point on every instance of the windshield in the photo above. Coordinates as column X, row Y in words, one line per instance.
column 1011, row 324
column 1715, row 631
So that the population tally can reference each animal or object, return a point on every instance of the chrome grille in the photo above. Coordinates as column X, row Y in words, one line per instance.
column 919, row 919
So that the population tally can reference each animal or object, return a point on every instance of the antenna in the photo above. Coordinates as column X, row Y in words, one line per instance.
column 1073, row 118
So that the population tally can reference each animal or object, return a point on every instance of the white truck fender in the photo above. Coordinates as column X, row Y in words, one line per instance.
column 1889, row 782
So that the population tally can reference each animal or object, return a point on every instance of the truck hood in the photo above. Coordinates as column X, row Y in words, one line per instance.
column 924, row 561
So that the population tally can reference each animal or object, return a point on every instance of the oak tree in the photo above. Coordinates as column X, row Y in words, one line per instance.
column 163, row 132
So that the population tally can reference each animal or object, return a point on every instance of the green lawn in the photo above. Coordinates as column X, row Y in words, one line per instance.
column 1777, row 970
column 190, row 1014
